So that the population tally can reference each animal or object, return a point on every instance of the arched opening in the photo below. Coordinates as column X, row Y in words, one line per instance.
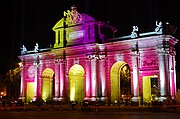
column 120, row 82
column 150, row 89
column 76, row 83
column 47, row 84
column 125, row 83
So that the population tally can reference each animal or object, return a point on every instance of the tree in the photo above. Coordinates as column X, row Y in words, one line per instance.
column 13, row 79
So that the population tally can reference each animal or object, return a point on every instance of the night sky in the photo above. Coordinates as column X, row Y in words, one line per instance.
column 26, row 22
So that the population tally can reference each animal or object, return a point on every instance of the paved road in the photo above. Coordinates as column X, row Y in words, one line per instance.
column 86, row 115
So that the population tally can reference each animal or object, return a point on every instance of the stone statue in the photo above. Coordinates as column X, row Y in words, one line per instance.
column 36, row 47
column 23, row 50
column 159, row 27
column 134, row 33
column 73, row 17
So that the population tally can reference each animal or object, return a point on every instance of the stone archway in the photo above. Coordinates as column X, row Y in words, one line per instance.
column 120, row 81
column 47, row 84
column 150, row 88
column 76, row 83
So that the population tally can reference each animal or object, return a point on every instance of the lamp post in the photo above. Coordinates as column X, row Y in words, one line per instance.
column 2, row 93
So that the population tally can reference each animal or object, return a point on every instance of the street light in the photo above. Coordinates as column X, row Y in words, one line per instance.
column 1, row 94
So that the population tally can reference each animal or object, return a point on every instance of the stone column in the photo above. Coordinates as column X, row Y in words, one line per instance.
column 36, row 73
column 135, row 65
column 62, row 79
column 57, row 75
column 88, row 78
column 163, row 57
column 39, row 80
column 102, row 75
column 172, row 75
column 93, row 79
column 56, row 38
column 22, row 87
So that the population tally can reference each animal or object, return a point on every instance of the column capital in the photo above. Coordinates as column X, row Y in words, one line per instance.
column 173, row 53
column 163, row 51
column 135, row 53
column 96, row 56
column 59, row 60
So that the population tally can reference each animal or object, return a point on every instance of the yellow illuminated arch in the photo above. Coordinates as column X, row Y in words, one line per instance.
column 115, row 80
column 47, row 84
column 76, row 83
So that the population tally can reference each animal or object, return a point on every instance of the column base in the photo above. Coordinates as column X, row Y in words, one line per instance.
column 34, row 99
column 22, row 98
column 135, row 99
column 173, row 97
column 37, row 98
column 162, row 98
column 60, row 99
column 55, row 99
column 86, row 98
column 93, row 98
column 103, row 99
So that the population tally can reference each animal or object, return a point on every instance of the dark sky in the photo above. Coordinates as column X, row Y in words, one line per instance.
column 30, row 21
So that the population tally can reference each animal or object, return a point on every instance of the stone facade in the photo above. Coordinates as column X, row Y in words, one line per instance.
column 88, row 63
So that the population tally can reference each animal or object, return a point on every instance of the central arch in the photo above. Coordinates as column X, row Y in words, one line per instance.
column 76, row 83
column 120, row 81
